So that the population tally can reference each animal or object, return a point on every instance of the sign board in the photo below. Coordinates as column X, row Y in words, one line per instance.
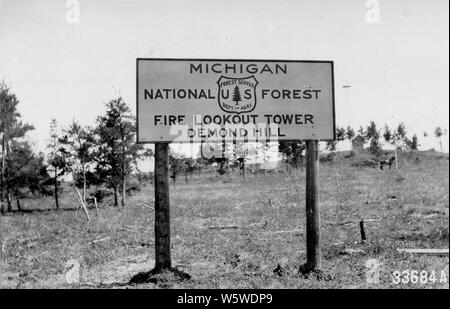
column 193, row 100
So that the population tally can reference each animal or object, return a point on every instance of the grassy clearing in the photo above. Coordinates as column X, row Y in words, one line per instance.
column 232, row 233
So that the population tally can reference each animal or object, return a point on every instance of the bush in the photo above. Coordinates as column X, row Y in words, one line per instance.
column 399, row 178
column 100, row 194
column 351, row 154
column 365, row 163
column 329, row 157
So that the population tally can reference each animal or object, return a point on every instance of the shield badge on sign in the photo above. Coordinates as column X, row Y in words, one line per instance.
column 237, row 95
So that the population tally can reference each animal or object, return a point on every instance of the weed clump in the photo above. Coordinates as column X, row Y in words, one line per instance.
column 399, row 178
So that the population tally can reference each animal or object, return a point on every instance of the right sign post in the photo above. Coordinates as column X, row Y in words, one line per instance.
column 313, row 252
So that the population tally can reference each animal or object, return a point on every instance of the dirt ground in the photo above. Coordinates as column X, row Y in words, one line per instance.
column 230, row 232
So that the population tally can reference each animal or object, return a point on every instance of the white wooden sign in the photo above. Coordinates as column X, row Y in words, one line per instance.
column 193, row 100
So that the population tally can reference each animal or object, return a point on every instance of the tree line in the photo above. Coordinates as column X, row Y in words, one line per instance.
column 105, row 154
column 292, row 152
column 373, row 136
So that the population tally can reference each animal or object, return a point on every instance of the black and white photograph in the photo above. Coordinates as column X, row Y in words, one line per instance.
column 224, row 152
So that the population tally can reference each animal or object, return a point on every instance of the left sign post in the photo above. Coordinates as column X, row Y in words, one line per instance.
column 162, row 208
column 163, row 262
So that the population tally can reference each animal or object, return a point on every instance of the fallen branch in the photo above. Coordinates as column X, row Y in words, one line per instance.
column 350, row 251
column 339, row 223
column 82, row 203
column 425, row 251
column 430, row 216
column 145, row 205
column 124, row 228
column 100, row 240
column 95, row 203
column 284, row 231
column 3, row 249
column 27, row 239
column 352, row 222
column 259, row 224
column 372, row 220
column 225, row 227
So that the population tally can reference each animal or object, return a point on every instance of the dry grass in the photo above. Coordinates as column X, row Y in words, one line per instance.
column 232, row 233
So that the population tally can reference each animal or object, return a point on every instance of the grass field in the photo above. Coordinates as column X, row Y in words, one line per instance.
column 228, row 232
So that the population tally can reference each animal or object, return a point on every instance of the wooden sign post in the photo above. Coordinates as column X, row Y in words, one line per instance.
column 162, row 208
column 313, row 254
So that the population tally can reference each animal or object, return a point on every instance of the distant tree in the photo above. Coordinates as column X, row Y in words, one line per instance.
column 400, row 135
column 236, row 95
column 389, row 137
column 425, row 134
column 201, row 160
column 26, row 170
column 340, row 136
column 372, row 131
column 350, row 133
column 397, row 138
column 176, row 165
column 240, row 152
column 56, row 159
column 439, row 132
column 189, row 167
column 373, row 136
column 11, row 129
column 331, row 146
column 387, row 134
column 78, row 147
column 362, row 132
column 412, row 144
column 117, row 153
column 292, row 152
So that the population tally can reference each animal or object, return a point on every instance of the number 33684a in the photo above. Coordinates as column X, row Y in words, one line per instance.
column 421, row 277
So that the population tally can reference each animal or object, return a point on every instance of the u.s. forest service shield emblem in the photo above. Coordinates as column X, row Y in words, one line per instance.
column 237, row 95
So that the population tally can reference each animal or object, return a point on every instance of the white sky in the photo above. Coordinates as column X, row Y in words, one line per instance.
column 397, row 69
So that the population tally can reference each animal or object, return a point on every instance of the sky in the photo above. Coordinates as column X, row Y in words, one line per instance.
column 393, row 54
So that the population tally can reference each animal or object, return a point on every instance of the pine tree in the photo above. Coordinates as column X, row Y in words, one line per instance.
column 292, row 152
column 78, row 143
column 350, row 133
column 340, row 134
column 400, row 135
column 373, row 136
column 412, row 144
column 57, row 163
column 11, row 128
column 117, row 152
column 387, row 134
column 362, row 133
column 236, row 95
column 26, row 170
column 176, row 165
